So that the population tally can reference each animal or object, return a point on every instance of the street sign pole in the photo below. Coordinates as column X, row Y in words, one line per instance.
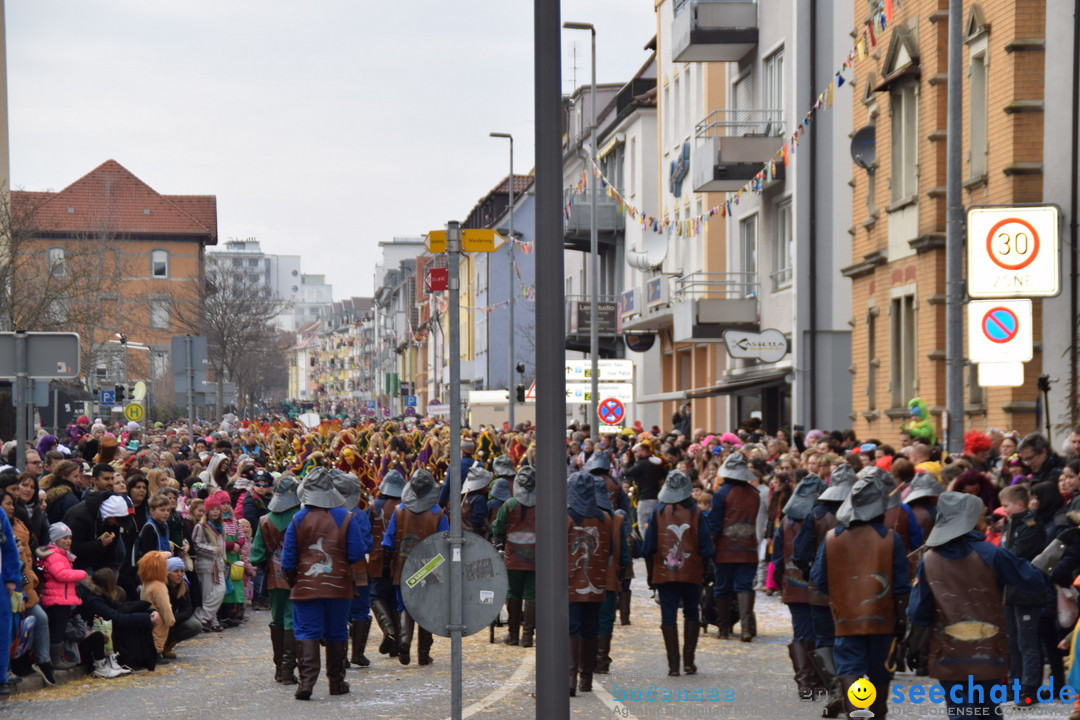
column 954, row 237
column 21, row 430
column 188, row 348
column 453, row 242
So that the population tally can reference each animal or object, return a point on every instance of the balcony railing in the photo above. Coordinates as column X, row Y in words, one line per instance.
column 715, row 286
column 730, row 122
column 713, row 30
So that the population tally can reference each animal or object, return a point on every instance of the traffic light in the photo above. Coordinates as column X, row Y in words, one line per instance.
column 520, row 391
column 521, row 367
column 121, row 392
column 405, row 389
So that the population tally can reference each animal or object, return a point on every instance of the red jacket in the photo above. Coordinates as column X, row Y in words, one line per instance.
column 60, row 579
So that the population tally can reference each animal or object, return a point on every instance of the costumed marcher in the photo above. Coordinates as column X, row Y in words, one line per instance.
column 599, row 464
column 863, row 566
column 321, row 544
column 266, row 553
column 794, row 589
column 360, row 610
column 514, row 535
column 680, row 544
column 414, row 519
column 733, row 523
column 590, row 545
column 383, row 602
column 811, row 537
column 922, row 500
column 474, row 493
column 620, row 560
column 958, row 589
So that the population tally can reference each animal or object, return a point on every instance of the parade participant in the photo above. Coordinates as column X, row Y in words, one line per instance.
column 619, row 561
column 414, row 519
column 590, row 546
column 514, row 535
column 503, row 467
column 266, row 552
column 383, row 602
column 922, row 500
column 732, row 522
column 679, row 542
column 599, row 464
column 794, row 589
column 321, row 543
column 360, row 610
column 863, row 566
column 474, row 493
column 958, row 589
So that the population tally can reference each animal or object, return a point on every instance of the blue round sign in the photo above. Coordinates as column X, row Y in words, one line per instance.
column 1000, row 325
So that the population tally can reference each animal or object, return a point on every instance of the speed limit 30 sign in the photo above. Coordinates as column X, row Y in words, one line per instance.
column 1013, row 251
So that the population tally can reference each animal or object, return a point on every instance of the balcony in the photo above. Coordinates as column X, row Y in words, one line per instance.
column 610, row 220
column 578, row 312
column 733, row 146
column 713, row 30
column 707, row 304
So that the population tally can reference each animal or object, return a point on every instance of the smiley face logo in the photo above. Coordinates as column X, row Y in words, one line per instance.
column 862, row 693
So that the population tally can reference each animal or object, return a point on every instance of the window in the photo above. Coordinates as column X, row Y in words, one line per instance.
column 902, row 350
column 238, row 262
column 748, row 255
column 783, row 246
column 742, row 92
column 159, row 263
column 56, row 262
column 676, row 122
column 977, row 159
column 774, row 92
column 253, row 262
column 905, row 127
column 159, row 314
column 872, row 361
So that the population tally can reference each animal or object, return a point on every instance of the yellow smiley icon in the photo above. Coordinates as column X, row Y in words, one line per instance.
column 861, row 693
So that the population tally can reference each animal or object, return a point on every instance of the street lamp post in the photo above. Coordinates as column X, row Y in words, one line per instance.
column 594, row 245
column 510, row 288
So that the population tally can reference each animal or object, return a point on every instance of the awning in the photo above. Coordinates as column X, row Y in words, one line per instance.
column 744, row 381
column 661, row 397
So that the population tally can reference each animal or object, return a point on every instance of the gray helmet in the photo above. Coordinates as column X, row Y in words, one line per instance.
column 598, row 463
column 285, row 497
column 866, row 502
column 843, row 477
column 736, row 469
column 581, row 494
column 349, row 486
column 317, row 490
column 525, row 486
column 923, row 486
column 477, row 479
column 888, row 483
column 392, row 484
column 677, row 487
column 805, row 495
column 503, row 466
column 421, row 492
column 957, row 515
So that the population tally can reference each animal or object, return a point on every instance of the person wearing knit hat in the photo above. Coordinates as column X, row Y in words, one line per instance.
column 58, row 595
column 514, row 534
column 863, row 566
column 958, row 585
column 679, row 543
column 321, row 545
column 266, row 553
column 733, row 523
column 416, row 517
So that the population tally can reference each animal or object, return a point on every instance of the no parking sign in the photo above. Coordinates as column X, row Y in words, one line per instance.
column 611, row 411
column 999, row 331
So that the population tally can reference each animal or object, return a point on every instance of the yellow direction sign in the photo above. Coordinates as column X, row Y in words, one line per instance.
column 134, row 412
column 472, row 240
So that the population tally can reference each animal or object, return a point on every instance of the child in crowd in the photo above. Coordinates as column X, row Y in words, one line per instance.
column 1023, row 536
column 152, row 575
column 58, row 594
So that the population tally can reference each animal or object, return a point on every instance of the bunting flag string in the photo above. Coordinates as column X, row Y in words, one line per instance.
column 880, row 17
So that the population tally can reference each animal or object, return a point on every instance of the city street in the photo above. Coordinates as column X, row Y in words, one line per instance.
column 230, row 676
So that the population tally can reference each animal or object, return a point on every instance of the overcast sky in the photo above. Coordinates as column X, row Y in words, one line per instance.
column 323, row 127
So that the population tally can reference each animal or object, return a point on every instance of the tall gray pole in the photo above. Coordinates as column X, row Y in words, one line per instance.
column 453, row 248
column 954, row 239
column 189, row 346
column 510, row 291
column 21, row 401
column 594, row 259
column 552, row 609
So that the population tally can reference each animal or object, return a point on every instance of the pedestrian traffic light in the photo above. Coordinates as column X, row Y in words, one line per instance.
column 120, row 393
column 520, row 391
column 521, row 367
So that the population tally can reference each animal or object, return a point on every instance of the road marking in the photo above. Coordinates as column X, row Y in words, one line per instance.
column 524, row 670
column 620, row 710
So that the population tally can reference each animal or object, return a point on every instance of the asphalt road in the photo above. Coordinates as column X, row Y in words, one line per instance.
column 230, row 676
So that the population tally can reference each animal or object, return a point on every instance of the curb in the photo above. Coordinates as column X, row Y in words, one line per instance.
column 34, row 682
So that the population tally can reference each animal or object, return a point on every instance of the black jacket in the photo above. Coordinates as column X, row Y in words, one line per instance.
column 1025, row 537
column 181, row 606
column 86, row 525
column 132, row 630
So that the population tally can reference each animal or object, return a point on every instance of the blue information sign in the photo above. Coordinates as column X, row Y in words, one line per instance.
column 107, row 397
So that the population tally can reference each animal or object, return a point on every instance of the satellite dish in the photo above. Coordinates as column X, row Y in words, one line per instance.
column 864, row 148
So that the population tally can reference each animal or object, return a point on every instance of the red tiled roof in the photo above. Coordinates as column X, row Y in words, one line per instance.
column 521, row 184
column 110, row 198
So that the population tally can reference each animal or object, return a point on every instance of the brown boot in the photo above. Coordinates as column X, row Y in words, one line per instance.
column 671, row 645
column 423, row 655
column 277, row 641
column 746, row 616
column 405, row 638
column 804, row 671
column 575, row 659
column 723, row 612
column 528, row 624
column 288, row 658
column 336, row 650
column 847, row 681
column 359, row 633
column 691, row 630
column 586, row 664
column 603, row 655
column 624, row 607
column 387, row 621
column 308, row 661
column 513, row 611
